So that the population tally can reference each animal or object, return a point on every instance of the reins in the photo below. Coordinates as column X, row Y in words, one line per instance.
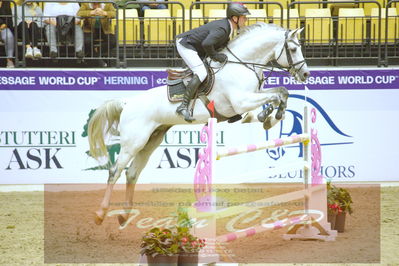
column 252, row 66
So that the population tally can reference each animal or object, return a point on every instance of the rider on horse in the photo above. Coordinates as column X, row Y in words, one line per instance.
column 194, row 45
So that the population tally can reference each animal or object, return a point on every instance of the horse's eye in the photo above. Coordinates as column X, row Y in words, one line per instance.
column 294, row 49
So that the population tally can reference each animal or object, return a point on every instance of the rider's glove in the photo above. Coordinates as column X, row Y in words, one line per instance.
column 221, row 58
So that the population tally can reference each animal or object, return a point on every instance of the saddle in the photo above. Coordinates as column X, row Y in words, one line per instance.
column 177, row 82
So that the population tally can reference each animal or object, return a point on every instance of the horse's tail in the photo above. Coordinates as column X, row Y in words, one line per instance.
column 104, row 120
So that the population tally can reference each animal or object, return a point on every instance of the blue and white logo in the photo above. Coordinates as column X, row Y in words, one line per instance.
column 295, row 126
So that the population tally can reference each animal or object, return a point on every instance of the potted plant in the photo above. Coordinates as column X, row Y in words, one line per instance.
column 189, row 245
column 339, row 202
column 332, row 206
column 160, row 246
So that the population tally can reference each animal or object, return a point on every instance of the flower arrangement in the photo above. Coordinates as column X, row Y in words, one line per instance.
column 173, row 241
column 187, row 242
column 339, row 200
column 159, row 241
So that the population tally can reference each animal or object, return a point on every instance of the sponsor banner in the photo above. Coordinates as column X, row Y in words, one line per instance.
column 43, row 138
column 80, row 80
column 339, row 80
column 143, row 80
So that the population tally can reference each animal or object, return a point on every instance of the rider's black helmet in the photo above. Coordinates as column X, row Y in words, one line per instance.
column 237, row 9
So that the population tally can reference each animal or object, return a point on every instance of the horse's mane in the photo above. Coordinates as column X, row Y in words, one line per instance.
column 255, row 29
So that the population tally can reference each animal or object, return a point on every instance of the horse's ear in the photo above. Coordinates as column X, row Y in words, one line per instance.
column 296, row 32
column 292, row 34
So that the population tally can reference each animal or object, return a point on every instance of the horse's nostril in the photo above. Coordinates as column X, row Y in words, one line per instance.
column 306, row 74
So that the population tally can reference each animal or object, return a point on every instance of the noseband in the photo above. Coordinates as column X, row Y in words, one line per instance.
column 291, row 65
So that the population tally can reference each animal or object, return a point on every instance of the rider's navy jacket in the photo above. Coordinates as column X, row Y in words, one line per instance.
column 207, row 38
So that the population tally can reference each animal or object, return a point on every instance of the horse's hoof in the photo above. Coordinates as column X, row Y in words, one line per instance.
column 279, row 115
column 121, row 220
column 280, row 111
column 270, row 122
column 262, row 116
column 267, row 124
column 247, row 118
column 98, row 219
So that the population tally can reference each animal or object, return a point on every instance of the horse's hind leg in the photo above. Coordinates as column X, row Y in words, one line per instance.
column 137, row 165
column 114, row 174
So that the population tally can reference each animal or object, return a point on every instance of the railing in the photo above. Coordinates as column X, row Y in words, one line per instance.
column 261, row 5
column 14, row 57
column 100, row 47
column 392, row 46
column 140, row 38
column 345, row 44
column 156, row 34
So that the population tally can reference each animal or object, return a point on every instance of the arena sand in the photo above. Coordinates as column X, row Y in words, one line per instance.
column 57, row 227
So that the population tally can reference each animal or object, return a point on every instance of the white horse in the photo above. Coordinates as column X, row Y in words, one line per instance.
column 143, row 120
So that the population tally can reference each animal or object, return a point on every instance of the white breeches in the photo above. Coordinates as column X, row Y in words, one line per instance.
column 192, row 60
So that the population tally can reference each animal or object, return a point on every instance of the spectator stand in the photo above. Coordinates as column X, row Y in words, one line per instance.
column 329, row 39
column 66, row 49
column 128, row 19
column 351, row 37
column 3, row 55
column 42, row 38
column 153, row 34
column 112, row 54
column 207, row 6
column 151, row 37
column 391, row 52
column 220, row 6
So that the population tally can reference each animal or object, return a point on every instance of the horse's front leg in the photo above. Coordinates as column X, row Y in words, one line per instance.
column 272, row 115
column 279, row 102
column 268, row 121
column 243, row 102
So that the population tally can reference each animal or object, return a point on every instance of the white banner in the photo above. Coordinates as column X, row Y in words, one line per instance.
column 43, row 140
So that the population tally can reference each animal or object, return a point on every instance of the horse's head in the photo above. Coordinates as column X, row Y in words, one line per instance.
column 289, row 54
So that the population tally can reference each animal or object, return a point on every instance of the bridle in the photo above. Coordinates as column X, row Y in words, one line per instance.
column 291, row 65
column 252, row 66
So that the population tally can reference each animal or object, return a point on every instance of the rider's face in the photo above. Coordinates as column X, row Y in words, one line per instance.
column 239, row 22
column 242, row 20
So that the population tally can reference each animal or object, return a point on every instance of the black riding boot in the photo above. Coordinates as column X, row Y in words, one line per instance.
column 188, row 96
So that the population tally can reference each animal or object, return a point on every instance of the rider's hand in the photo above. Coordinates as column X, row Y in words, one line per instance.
column 221, row 58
